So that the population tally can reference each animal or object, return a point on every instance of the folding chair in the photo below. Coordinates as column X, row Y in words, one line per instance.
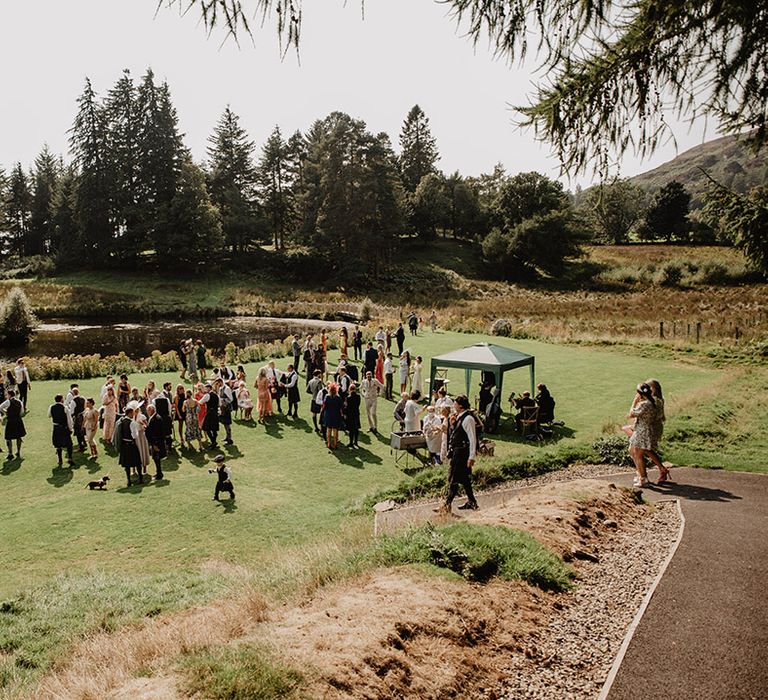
column 529, row 421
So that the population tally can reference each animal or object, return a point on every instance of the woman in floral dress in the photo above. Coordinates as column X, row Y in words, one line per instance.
column 110, row 413
column 191, row 423
column 263, row 395
column 644, row 439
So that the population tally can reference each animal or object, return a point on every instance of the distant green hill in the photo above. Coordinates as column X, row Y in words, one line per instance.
column 727, row 160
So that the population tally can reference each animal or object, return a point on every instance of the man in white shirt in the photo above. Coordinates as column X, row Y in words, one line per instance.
column 380, row 336
column 462, row 449
column 23, row 383
column 370, row 388
column 389, row 373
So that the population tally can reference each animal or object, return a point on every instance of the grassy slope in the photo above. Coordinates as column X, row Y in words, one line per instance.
column 291, row 490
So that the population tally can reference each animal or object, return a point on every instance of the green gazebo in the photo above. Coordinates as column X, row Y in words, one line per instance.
column 484, row 357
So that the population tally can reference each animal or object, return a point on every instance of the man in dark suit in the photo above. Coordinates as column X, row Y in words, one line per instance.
column 155, row 433
column 371, row 355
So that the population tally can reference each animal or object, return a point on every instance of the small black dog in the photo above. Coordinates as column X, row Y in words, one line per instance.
column 99, row 483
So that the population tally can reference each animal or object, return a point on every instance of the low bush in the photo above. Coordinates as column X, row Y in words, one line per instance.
column 670, row 274
column 613, row 450
column 501, row 327
column 478, row 553
column 243, row 672
column 17, row 322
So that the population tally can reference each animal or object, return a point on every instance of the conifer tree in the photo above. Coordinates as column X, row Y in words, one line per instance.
column 88, row 145
column 419, row 155
column 44, row 183
column 274, row 181
column 232, row 180
column 18, row 208
column 66, row 242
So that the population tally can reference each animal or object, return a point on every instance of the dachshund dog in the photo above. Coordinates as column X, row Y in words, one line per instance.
column 99, row 483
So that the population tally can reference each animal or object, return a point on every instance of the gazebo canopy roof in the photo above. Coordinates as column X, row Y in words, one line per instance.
column 484, row 356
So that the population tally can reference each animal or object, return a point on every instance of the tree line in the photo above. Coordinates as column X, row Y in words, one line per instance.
column 334, row 199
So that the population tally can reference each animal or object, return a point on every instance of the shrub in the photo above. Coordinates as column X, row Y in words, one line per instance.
column 366, row 310
column 501, row 327
column 712, row 272
column 17, row 322
column 613, row 450
column 669, row 275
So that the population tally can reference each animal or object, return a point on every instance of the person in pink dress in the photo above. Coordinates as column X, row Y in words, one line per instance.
column 110, row 413
column 199, row 391
column 380, row 367
column 263, row 395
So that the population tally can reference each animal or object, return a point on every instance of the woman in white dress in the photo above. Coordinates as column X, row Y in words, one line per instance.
column 433, row 424
column 405, row 367
column 412, row 412
column 416, row 379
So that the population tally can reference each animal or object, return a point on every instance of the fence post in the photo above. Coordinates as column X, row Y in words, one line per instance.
column 674, row 329
column 698, row 331
column 661, row 329
column 689, row 329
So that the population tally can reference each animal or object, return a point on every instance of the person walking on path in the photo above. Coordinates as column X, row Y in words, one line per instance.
column 462, row 448
column 643, row 441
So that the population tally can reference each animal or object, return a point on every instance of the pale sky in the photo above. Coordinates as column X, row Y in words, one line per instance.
column 402, row 53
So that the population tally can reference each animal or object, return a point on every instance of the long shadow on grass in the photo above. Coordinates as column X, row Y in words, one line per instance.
column 60, row 476
column 274, row 429
column 10, row 466
column 356, row 457
column 301, row 424
column 228, row 506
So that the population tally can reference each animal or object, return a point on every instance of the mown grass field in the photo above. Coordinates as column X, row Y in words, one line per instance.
column 153, row 548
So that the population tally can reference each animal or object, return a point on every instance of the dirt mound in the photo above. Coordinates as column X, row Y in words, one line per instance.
column 389, row 633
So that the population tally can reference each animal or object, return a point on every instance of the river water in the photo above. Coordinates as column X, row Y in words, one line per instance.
column 63, row 336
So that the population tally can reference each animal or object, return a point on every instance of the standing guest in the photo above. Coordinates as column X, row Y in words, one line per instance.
column 263, row 395
column 225, row 372
column 388, row 344
column 320, row 401
column 320, row 361
column 389, row 373
column 443, row 400
column 416, row 380
column 405, row 367
column 351, row 369
column 291, row 383
column 178, row 411
column 244, row 400
column 332, row 415
column 413, row 323
column 155, row 434
column 370, row 358
column 658, row 425
column 313, row 389
column 296, row 351
column 23, row 383
column 139, row 429
column 91, row 425
column 399, row 412
column 78, row 408
column 2, row 387
column 182, row 353
column 164, row 406
column 201, row 407
column 433, row 321
column 109, row 382
column 274, row 376
column 109, row 406
column 352, row 416
column 400, row 338
column 371, row 388
column 462, row 448
column 130, row 459
column 151, row 392
column 240, row 374
column 202, row 363
column 380, row 336
column 324, row 341
column 62, row 428
column 412, row 410
column 344, row 382
column 433, row 432
column 14, row 423
column 192, row 361
column 445, row 425
column 223, row 478
column 210, row 400
column 379, row 374
column 191, row 423
column 10, row 380
column 123, row 393
column 344, row 340
column 309, row 352
column 226, row 401
column 357, row 343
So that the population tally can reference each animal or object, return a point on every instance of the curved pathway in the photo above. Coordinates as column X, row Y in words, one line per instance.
column 704, row 634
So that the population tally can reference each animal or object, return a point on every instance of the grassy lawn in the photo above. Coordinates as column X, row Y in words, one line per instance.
column 294, row 497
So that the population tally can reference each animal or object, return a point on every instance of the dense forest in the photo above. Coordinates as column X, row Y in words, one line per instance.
column 334, row 199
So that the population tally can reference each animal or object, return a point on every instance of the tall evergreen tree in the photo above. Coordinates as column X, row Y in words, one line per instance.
column 88, row 145
column 18, row 208
column 66, row 239
column 419, row 155
column 45, row 178
column 667, row 216
column 274, row 181
column 232, row 179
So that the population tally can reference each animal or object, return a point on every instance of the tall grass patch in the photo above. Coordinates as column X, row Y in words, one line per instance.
column 477, row 553
column 242, row 672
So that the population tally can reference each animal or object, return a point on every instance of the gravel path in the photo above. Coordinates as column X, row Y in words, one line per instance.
column 570, row 658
